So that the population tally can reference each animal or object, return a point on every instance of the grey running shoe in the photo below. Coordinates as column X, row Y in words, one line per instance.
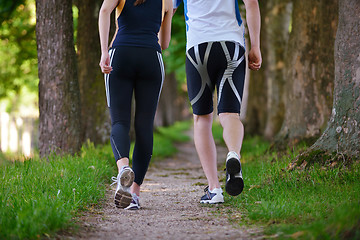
column 134, row 204
column 124, row 180
column 234, row 180
column 212, row 197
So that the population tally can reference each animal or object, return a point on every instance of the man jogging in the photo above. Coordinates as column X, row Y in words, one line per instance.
column 215, row 57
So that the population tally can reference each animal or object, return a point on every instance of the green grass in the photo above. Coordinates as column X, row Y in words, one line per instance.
column 217, row 133
column 165, row 139
column 39, row 197
column 306, row 204
column 320, row 202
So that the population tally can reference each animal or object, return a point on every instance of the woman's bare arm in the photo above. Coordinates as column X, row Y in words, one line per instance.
column 165, row 29
column 104, row 27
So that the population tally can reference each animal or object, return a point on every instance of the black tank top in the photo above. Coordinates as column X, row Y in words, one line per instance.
column 138, row 25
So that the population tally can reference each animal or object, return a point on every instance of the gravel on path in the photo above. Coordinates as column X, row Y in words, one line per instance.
column 170, row 207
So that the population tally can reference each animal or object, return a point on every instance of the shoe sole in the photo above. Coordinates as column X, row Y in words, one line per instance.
column 235, row 185
column 210, row 202
column 133, row 207
column 233, row 166
column 127, row 178
column 122, row 198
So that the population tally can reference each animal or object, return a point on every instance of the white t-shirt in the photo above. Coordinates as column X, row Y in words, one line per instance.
column 212, row 20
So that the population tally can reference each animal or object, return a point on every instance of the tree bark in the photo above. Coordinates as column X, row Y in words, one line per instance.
column 276, row 28
column 59, row 102
column 310, row 71
column 343, row 131
column 94, row 115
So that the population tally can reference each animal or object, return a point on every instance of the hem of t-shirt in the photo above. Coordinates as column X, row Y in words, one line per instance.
column 242, row 43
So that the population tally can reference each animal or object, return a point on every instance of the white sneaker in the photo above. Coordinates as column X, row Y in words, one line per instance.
column 234, row 180
column 213, row 196
column 124, row 180
column 135, row 203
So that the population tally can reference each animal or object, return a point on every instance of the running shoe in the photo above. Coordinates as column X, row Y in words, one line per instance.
column 124, row 180
column 212, row 197
column 234, row 180
column 134, row 204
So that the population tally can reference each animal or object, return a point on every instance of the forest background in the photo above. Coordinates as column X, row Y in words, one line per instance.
column 52, row 99
column 297, row 97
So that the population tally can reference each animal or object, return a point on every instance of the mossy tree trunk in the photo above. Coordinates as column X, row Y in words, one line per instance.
column 59, row 101
column 342, row 134
column 310, row 70
column 277, row 22
column 94, row 115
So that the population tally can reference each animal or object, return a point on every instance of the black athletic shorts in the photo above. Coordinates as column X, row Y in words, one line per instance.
column 215, row 64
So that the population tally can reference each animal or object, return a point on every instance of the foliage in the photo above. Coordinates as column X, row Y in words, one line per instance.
column 174, row 56
column 319, row 203
column 7, row 8
column 18, row 65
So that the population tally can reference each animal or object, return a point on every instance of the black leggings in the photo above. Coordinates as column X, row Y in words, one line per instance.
column 138, row 70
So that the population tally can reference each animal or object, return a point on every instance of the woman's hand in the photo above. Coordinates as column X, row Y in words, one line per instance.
column 104, row 25
column 105, row 63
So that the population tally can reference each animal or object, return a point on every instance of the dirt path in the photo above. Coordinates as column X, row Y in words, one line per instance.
column 170, row 207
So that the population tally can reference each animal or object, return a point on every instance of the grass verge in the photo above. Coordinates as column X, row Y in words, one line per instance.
column 40, row 197
column 166, row 137
column 320, row 202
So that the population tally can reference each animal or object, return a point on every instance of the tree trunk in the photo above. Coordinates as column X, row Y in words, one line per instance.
column 276, row 28
column 59, row 102
column 256, row 113
column 343, row 131
column 172, row 106
column 94, row 115
column 310, row 70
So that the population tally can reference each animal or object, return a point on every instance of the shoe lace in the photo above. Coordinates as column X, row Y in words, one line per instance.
column 114, row 179
column 135, row 199
column 207, row 192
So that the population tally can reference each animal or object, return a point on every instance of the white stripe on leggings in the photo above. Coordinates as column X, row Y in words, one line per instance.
column 106, row 77
column 162, row 72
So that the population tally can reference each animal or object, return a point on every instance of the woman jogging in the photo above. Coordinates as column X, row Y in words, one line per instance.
column 215, row 57
column 133, row 64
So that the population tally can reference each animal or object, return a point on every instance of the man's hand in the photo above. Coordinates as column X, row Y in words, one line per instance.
column 254, row 59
